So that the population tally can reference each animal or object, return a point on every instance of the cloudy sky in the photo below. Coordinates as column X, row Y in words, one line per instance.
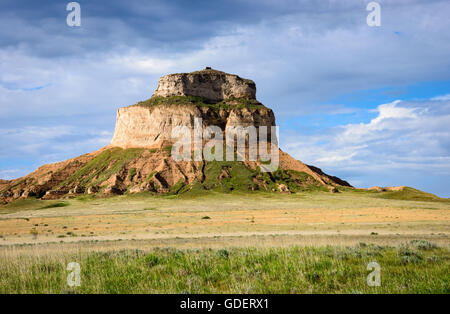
column 368, row 104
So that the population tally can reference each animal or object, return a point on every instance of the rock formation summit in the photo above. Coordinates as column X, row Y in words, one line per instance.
column 216, row 97
column 212, row 84
column 139, row 159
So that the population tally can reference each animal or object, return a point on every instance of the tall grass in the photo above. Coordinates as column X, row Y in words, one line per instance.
column 240, row 270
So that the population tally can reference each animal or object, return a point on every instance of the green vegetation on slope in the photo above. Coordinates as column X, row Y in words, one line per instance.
column 30, row 203
column 102, row 167
column 226, row 176
column 56, row 205
column 296, row 181
column 410, row 194
column 201, row 101
column 131, row 174
column 220, row 176
column 22, row 204
column 406, row 269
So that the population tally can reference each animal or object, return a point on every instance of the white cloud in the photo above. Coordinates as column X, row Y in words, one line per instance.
column 311, row 55
column 404, row 138
column 390, row 116
column 441, row 98
column 50, row 144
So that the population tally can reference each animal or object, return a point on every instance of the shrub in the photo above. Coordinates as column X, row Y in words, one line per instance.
column 152, row 260
column 55, row 205
column 408, row 255
column 433, row 259
column 223, row 253
column 423, row 245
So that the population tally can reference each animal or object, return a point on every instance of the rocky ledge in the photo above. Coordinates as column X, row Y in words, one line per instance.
column 209, row 83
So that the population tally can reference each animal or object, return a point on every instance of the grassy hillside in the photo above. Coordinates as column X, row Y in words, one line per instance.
column 109, row 162
column 218, row 176
column 235, row 176
column 410, row 194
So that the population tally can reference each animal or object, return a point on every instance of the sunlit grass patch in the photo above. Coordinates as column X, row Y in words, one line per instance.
column 326, row 269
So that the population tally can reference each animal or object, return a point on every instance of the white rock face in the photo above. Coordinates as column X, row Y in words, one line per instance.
column 212, row 84
column 140, row 126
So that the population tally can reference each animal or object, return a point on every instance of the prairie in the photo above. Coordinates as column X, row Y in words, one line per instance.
column 307, row 242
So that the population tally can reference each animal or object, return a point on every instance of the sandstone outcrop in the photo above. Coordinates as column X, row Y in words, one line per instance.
column 212, row 84
column 139, row 156
column 3, row 183
column 387, row 188
column 151, row 126
column 217, row 98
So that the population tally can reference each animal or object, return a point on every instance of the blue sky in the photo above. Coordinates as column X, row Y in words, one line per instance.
column 368, row 104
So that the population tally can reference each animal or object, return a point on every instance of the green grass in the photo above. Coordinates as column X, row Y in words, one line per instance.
column 151, row 175
column 56, row 205
column 103, row 166
column 326, row 269
column 131, row 174
column 177, row 187
column 201, row 102
column 410, row 194
column 167, row 149
column 229, row 176
column 407, row 194
column 23, row 204
column 31, row 204
column 85, row 198
column 296, row 181
column 240, row 177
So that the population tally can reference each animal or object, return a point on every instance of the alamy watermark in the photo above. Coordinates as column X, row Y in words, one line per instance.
column 374, row 278
column 241, row 143
column 374, row 17
column 74, row 17
column 74, row 277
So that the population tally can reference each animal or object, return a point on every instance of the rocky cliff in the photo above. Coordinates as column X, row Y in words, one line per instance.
column 151, row 126
column 212, row 84
column 217, row 98
column 139, row 156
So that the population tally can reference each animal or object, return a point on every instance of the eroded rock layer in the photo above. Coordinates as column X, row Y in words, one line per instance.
column 212, row 84
column 150, row 126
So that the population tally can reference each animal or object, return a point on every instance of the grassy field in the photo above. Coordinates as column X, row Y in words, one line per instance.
column 308, row 242
column 414, row 268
